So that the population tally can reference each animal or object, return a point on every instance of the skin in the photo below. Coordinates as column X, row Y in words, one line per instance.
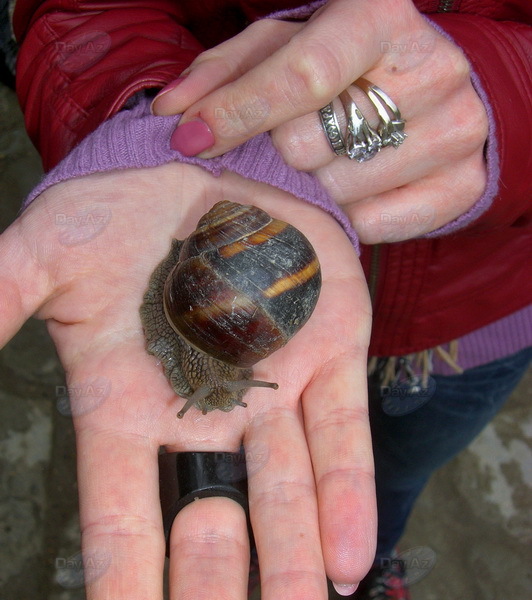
column 308, row 444
column 275, row 75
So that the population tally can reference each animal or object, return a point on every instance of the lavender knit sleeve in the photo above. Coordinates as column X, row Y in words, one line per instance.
column 300, row 13
column 134, row 138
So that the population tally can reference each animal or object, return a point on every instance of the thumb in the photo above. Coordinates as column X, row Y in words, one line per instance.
column 24, row 283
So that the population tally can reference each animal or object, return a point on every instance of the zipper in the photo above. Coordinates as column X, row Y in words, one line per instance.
column 445, row 5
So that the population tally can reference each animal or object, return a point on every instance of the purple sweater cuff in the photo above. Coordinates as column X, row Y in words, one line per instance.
column 134, row 139
column 299, row 13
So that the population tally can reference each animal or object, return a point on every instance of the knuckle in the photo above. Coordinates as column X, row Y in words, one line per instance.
column 289, row 147
column 296, row 142
column 217, row 61
column 448, row 68
column 240, row 115
column 353, row 475
column 205, row 57
column 208, row 544
column 284, row 493
column 459, row 193
column 119, row 525
column 340, row 188
column 268, row 26
column 477, row 130
column 314, row 71
column 470, row 126
column 338, row 420
column 467, row 129
column 459, row 70
column 474, row 184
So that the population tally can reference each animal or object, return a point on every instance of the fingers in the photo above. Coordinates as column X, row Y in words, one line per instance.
column 209, row 551
column 337, row 425
column 283, row 508
column 435, row 176
column 121, row 525
column 300, row 77
column 23, row 281
column 434, row 136
column 224, row 63
column 424, row 152
column 303, row 142
column 420, row 207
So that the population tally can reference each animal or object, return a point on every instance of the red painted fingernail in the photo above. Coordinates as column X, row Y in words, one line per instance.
column 192, row 138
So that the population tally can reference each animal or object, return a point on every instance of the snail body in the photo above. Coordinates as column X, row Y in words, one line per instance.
column 237, row 289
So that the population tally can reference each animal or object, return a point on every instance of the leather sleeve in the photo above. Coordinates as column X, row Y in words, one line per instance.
column 79, row 62
column 499, row 53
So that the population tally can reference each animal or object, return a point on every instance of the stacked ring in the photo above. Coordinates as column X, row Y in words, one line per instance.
column 329, row 121
column 362, row 142
column 390, row 131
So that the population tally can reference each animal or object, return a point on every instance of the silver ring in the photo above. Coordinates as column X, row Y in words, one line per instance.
column 362, row 141
column 391, row 130
column 329, row 122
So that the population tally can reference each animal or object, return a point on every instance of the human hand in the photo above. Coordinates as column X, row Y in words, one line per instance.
column 275, row 75
column 80, row 257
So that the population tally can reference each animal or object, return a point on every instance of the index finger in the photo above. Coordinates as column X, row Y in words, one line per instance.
column 302, row 76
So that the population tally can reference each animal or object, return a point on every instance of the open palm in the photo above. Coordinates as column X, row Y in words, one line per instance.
column 80, row 257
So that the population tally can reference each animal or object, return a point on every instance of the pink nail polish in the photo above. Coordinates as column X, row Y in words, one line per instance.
column 192, row 138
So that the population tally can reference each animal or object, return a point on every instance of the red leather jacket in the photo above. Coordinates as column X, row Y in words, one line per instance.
column 81, row 60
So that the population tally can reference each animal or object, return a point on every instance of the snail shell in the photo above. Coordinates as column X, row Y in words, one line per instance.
column 237, row 289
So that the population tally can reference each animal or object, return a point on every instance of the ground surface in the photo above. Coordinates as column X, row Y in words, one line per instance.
column 472, row 524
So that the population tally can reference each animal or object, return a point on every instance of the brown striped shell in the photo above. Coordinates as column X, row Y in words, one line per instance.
column 237, row 289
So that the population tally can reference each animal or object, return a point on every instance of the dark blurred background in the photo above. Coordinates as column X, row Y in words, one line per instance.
column 469, row 538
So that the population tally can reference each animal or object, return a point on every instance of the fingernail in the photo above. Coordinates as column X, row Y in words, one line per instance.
column 192, row 138
column 167, row 88
column 345, row 589
column 171, row 86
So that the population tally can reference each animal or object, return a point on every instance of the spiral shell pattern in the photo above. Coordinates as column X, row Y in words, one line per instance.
column 245, row 283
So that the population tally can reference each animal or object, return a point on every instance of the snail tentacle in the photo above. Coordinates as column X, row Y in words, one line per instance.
column 200, row 394
column 249, row 383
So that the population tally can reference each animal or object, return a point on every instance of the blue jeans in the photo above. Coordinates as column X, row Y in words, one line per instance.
column 408, row 448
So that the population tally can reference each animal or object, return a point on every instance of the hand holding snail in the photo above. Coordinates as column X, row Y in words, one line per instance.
column 312, row 434
column 233, row 292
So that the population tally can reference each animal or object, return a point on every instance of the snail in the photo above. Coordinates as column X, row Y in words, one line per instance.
column 237, row 289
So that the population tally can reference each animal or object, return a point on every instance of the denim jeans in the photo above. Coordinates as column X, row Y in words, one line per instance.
column 408, row 448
